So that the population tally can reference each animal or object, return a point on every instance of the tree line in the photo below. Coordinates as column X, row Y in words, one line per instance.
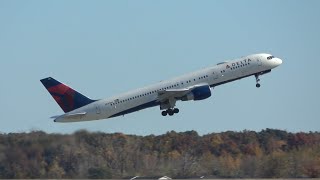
column 269, row 153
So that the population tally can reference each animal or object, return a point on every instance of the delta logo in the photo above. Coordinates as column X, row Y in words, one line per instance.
column 243, row 62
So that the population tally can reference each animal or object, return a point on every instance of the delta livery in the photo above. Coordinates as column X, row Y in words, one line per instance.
column 194, row 86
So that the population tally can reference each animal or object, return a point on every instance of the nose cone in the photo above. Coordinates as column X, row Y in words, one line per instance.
column 278, row 61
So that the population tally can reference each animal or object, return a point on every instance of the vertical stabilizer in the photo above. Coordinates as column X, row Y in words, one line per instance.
column 67, row 98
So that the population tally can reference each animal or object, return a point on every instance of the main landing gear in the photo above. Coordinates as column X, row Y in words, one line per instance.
column 257, row 80
column 170, row 111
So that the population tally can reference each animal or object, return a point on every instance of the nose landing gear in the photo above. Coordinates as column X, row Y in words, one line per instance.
column 170, row 111
column 257, row 80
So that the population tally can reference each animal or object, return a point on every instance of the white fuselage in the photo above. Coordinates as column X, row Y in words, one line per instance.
column 146, row 97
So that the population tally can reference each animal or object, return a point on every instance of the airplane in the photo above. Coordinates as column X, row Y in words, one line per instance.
column 194, row 86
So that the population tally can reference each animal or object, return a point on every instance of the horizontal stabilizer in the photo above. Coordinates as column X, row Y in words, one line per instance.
column 71, row 116
column 74, row 115
column 54, row 117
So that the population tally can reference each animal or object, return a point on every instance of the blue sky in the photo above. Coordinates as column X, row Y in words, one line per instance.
column 102, row 48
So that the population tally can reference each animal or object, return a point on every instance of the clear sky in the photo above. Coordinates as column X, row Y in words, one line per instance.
column 102, row 48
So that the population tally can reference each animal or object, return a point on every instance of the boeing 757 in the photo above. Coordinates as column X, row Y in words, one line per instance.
column 194, row 86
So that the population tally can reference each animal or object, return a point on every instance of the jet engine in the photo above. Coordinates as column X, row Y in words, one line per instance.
column 198, row 93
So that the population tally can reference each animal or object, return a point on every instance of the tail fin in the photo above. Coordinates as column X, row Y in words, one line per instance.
column 67, row 98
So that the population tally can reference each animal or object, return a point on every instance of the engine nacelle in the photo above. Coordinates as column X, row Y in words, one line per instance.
column 188, row 97
column 198, row 93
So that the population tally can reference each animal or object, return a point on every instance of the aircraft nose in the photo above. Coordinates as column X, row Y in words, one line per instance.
column 279, row 61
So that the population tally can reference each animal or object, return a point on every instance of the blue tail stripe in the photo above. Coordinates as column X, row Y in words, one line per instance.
column 49, row 82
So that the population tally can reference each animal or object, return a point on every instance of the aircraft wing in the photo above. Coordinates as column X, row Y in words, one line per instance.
column 172, row 93
column 175, row 94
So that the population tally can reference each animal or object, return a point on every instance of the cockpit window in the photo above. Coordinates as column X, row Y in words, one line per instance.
column 270, row 57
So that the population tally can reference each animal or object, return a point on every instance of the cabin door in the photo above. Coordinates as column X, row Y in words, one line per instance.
column 259, row 62
column 215, row 75
column 98, row 110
